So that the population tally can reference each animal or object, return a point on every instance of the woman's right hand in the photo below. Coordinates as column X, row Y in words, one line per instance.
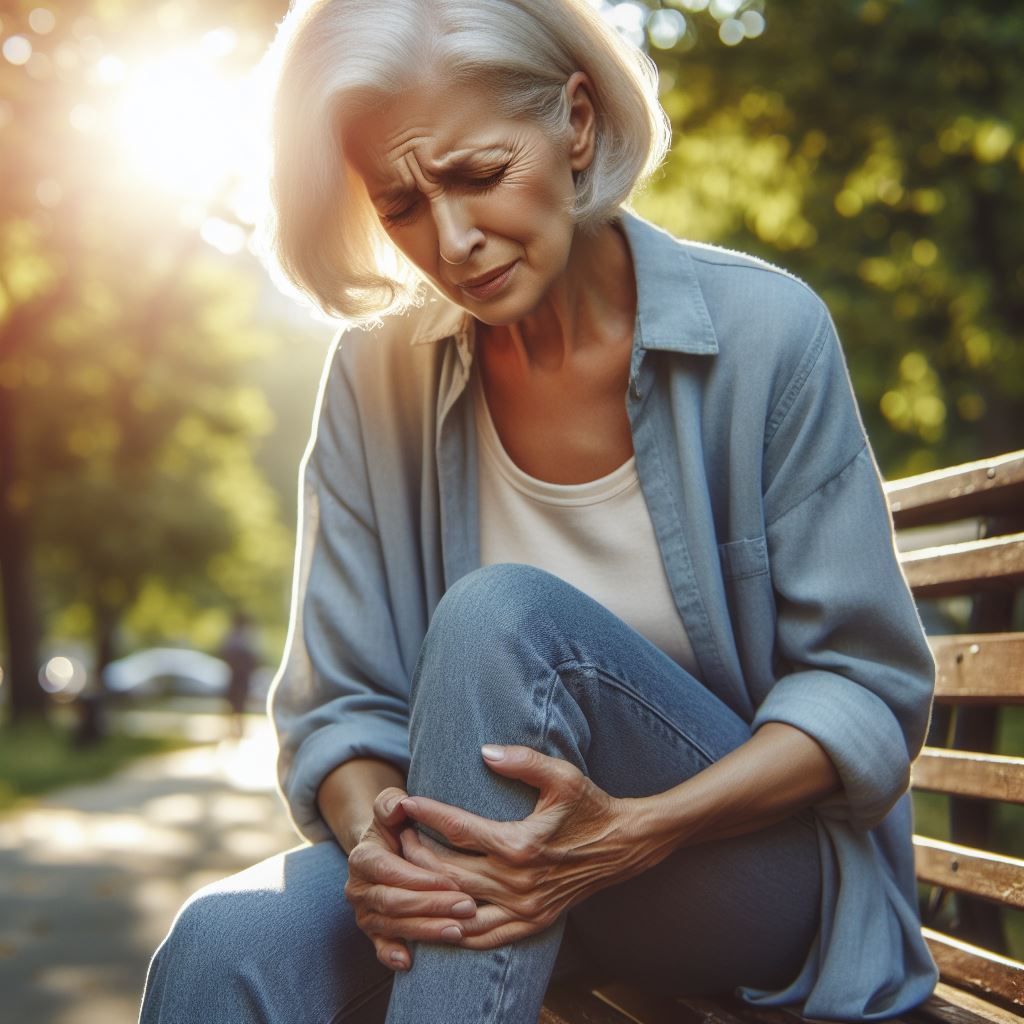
column 394, row 900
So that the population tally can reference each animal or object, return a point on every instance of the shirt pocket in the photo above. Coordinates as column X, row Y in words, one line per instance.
column 746, row 578
column 742, row 559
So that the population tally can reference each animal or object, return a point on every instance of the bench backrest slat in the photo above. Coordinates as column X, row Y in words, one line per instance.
column 989, row 875
column 952, row 569
column 960, row 773
column 979, row 668
column 987, row 487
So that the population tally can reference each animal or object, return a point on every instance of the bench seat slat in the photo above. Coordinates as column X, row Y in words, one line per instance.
column 977, row 969
column 949, row 1005
column 950, row 569
column 978, row 668
column 987, row 487
column 989, row 875
column 962, row 773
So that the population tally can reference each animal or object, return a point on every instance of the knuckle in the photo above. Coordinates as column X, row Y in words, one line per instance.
column 357, row 859
column 574, row 781
column 532, row 905
column 519, row 882
column 521, row 850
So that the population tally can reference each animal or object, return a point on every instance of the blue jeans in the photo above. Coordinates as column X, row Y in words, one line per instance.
column 513, row 655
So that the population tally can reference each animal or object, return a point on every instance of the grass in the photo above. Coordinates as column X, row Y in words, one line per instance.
column 38, row 758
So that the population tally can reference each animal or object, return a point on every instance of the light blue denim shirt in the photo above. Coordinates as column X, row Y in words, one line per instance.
column 772, row 525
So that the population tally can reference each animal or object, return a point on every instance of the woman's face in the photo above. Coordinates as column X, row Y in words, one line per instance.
column 479, row 203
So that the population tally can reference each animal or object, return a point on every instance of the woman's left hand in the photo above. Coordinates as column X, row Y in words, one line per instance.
column 577, row 840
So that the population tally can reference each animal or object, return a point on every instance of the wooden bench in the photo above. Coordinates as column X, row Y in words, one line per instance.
column 966, row 577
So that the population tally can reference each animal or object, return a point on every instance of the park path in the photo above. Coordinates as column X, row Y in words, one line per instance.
column 91, row 877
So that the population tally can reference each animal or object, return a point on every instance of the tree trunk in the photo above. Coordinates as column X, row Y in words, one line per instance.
column 21, row 627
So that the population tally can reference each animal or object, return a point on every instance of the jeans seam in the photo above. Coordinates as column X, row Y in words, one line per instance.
column 552, row 682
column 503, row 985
column 626, row 689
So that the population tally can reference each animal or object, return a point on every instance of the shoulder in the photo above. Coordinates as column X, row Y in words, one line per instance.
column 392, row 354
column 749, row 296
column 381, row 381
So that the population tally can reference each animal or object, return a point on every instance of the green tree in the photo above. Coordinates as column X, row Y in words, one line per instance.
column 128, row 430
column 873, row 148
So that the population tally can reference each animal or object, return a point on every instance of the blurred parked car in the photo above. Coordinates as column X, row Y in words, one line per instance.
column 164, row 671
column 179, row 672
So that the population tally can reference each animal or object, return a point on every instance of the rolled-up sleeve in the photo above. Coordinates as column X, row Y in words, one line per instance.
column 858, row 675
column 341, row 691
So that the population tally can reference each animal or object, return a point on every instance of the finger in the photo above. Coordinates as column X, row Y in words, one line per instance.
column 392, row 953
column 387, row 806
column 530, row 766
column 395, row 902
column 378, row 866
column 415, row 929
column 445, row 857
column 470, row 878
column 503, row 935
column 496, row 926
column 461, row 828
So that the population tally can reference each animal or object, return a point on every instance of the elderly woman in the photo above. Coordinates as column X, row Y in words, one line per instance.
column 600, row 654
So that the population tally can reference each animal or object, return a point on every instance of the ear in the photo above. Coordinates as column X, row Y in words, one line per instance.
column 582, row 121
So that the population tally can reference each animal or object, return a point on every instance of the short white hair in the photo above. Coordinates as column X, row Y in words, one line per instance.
column 321, row 235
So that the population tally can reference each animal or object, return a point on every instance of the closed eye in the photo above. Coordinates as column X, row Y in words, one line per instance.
column 484, row 184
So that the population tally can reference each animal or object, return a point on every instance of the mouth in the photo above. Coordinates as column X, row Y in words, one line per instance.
column 475, row 282
column 485, row 284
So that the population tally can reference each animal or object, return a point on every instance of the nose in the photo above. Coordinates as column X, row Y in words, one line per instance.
column 457, row 234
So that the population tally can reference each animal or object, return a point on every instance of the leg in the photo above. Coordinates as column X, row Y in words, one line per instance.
column 275, row 944
column 516, row 655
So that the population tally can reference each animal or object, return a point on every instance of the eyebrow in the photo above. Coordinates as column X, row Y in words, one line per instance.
column 460, row 160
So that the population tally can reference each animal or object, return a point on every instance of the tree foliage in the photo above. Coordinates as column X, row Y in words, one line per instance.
column 873, row 148
column 125, row 347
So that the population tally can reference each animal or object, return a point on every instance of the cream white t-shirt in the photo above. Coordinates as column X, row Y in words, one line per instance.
column 596, row 535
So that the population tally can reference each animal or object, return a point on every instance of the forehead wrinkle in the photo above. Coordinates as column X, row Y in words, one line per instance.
column 424, row 172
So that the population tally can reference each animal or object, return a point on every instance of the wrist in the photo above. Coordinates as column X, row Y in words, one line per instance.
column 656, row 826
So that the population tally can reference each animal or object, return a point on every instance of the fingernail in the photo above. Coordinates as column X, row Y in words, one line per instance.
column 390, row 805
column 464, row 907
column 451, row 933
column 396, row 958
column 492, row 753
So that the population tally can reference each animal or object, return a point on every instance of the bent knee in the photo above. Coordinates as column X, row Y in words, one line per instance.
column 494, row 607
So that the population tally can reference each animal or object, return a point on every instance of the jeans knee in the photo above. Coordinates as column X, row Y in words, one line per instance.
column 278, row 940
column 213, row 934
column 486, row 622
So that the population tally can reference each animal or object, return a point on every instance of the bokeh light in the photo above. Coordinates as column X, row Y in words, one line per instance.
column 63, row 678
column 17, row 50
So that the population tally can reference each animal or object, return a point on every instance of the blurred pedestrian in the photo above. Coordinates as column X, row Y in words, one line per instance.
column 241, row 652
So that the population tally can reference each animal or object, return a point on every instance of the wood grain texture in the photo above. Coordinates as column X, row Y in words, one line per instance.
column 989, row 875
column 987, row 487
column 979, row 668
column 962, row 773
column 976, row 969
column 949, row 1005
column 951, row 569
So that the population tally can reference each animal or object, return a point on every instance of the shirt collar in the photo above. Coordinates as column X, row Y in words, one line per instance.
column 671, row 311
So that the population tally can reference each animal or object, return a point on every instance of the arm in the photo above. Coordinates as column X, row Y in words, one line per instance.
column 345, row 798
column 341, row 692
column 778, row 772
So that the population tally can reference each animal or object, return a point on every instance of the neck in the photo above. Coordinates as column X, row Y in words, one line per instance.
column 592, row 304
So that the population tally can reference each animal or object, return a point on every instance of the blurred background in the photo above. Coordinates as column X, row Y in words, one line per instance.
column 156, row 389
